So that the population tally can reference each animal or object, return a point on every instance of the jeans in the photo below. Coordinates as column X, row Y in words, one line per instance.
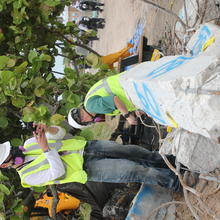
column 107, row 161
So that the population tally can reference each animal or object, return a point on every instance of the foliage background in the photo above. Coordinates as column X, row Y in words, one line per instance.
column 31, row 36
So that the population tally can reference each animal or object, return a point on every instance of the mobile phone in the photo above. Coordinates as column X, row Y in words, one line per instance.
column 30, row 127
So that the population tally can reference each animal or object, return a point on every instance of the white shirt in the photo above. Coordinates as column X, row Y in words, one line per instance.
column 56, row 170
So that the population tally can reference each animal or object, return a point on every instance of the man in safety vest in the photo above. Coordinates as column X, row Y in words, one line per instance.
column 106, row 97
column 44, row 162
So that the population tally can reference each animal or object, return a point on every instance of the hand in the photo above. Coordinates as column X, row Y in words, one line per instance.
column 139, row 113
column 132, row 120
column 41, row 139
column 39, row 127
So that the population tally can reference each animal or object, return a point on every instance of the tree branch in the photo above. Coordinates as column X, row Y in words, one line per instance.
column 58, row 73
column 55, row 201
column 187, row 199
column 169, row 12
column 180, row 177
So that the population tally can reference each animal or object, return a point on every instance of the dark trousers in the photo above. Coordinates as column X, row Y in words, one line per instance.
column 107, row 161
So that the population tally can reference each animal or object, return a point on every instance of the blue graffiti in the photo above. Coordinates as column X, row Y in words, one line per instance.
column 149, row 103
column 203, row 36
column 166, row 67
column 146, row 97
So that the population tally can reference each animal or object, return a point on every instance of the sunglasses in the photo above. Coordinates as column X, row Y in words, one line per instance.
column 75, row 113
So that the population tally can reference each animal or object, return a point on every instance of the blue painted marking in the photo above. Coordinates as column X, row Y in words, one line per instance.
column 137, row 208
column 166, row 67
column 149, row 102
column 203, row 36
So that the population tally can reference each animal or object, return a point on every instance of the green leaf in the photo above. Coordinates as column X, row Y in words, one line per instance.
column 18, row 211
column 15, row 29
column 3, row 61
column 6, row 76
column 2, row 37
column 68, row 106
column 17, row 4
column 70, row 73
column 37, row 64
column 28, row 110
column 32, row 54
column 2, row 216
column 3, row 99
column 73, row 98
column 65, row 95
column 28, row 32
column 3, row 122
column 45, row 57
column 42, row 110
column 17, row 39
column 25, row 84
column 70, row 23
column 49, row 77
column 11, row 63
column 29, row 117
column 2, row 196
column 9, row 92
column 38, row 82
column 21, row 68
column 45, row 47
column 12, row 83
column 52, row 3
column 39, row 189
column 3, row 177
column 17, row 16
column 56, row 119
column 39, row 91
column 70, row 83
column 4, row 189
column 15, row 142
column 18, row 102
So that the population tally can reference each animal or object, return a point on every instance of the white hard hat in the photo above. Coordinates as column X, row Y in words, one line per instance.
column 58, row 136
column 4, row 151
column 73, row 114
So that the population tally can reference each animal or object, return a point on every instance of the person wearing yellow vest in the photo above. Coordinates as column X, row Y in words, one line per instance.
column 106, row 97
column 48, row 162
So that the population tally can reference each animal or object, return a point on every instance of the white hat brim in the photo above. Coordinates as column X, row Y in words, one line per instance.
column 73, row 123
column 5, row 149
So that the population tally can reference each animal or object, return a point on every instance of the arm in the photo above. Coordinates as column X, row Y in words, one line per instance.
column 122, row 108
column 56, row 170
column 107, row 104
column 56, row 165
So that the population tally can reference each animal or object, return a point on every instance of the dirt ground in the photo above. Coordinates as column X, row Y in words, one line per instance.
column 121, row 18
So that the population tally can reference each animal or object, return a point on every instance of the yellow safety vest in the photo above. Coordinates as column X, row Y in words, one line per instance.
column 72, row 160
column 110, row 86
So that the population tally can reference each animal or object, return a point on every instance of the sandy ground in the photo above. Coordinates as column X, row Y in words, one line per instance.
column 121, row 18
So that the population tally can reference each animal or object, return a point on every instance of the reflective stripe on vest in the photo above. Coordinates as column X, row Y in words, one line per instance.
column 73, row 164
column 110, row 86
column 70, row 151
column 34, row 146
column 34, row 167
column 70, row 145
column 103, row 85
